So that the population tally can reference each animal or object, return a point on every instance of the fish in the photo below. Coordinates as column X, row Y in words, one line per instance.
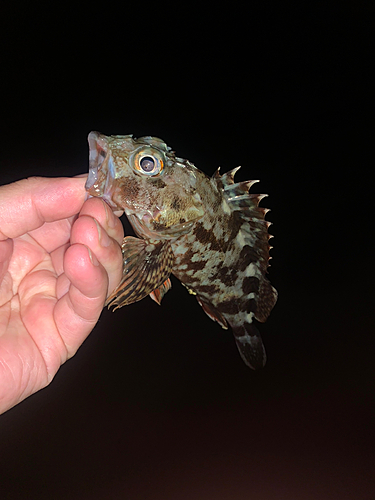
column 209, row 232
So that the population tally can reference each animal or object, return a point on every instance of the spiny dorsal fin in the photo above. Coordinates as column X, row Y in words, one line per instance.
column 247, row 206
column 226, row 179
column 237, row 194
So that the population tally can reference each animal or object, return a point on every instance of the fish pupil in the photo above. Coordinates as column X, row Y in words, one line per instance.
column 147, row 164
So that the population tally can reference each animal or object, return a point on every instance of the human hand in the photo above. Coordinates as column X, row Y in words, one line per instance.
column 60, row 257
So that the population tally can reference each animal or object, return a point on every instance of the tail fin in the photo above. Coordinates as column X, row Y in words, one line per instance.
column 250, row 345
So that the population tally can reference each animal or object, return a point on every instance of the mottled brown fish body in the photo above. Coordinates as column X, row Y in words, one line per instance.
column 209, row 232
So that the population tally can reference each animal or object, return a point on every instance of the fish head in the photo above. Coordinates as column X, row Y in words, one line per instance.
column 143, row 177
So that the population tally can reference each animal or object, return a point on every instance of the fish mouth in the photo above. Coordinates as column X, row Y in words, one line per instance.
column 101, row 180
column 97, row 156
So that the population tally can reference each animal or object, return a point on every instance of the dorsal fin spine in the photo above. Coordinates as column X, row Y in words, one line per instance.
column 247, row 206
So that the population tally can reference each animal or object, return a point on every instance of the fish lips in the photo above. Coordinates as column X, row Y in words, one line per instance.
column 101, row 180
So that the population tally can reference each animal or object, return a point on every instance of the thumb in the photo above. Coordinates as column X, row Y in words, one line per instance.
column 25, row 205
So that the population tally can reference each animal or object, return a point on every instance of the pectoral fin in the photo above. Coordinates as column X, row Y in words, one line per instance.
column 147, row 266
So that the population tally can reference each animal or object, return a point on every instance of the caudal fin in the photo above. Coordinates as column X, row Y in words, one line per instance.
column 250, row 345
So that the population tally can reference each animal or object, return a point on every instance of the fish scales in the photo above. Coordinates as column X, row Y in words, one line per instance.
column 208, row 232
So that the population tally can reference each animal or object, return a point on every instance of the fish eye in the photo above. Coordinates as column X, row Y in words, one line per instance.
column 148, row 161
column 147, row 164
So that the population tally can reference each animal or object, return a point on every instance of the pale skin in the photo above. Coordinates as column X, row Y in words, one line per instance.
column 60, row 257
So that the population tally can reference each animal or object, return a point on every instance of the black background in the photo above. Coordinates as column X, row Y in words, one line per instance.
column 157, row 403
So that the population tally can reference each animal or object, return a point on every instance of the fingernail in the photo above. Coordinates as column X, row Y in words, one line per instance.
column 104, row 239
column 109, row 216
column 94, row 260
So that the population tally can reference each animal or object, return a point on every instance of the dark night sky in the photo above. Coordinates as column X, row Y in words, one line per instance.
column 157, row 402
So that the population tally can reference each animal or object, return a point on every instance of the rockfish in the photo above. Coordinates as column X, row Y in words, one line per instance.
column 208, row 232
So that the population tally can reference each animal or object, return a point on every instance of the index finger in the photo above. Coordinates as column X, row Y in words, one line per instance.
column 25, row 205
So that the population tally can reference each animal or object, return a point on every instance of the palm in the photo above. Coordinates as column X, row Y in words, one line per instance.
column 34, row 283
column 51, row 294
